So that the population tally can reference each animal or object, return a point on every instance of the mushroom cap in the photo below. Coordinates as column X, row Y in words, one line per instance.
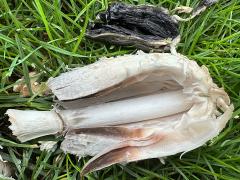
column 91, row 90
column 145, row 27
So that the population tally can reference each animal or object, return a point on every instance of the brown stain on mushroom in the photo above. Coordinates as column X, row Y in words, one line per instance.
column 127, row 151
column 124, row 154
column 120, row 132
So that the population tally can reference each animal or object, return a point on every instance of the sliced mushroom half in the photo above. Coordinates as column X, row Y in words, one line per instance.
column 129, row 108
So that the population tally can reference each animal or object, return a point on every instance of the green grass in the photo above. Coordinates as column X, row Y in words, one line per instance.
column 48, row 37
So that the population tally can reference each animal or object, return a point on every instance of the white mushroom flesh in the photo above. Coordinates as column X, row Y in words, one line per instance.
column 130, row 108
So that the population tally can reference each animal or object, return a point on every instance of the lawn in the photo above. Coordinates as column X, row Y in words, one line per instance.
column 47, row 37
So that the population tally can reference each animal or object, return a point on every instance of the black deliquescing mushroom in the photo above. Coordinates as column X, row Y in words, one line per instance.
column 145, row 27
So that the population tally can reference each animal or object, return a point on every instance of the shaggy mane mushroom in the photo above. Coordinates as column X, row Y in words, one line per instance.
column 129, row 108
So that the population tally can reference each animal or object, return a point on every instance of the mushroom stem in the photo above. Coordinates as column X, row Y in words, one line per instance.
column 128, row 110
column 30, row 124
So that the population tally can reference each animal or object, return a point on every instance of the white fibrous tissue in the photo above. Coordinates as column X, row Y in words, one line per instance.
column 129, row 108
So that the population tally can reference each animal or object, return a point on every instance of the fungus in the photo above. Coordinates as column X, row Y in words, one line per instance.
column 145, row 27
column 131, row 107
column 128, row 108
